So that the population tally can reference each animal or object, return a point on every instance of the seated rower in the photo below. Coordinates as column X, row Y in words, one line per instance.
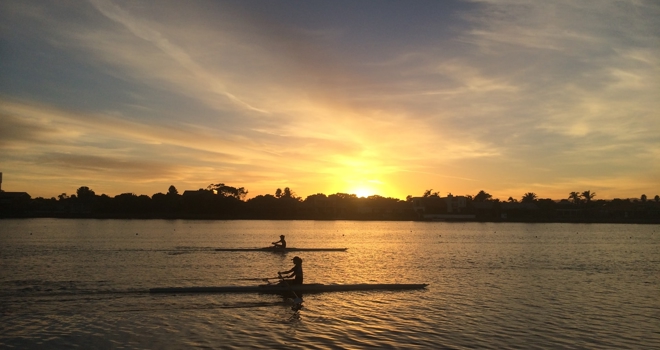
column 296, row 273
column 281, row 243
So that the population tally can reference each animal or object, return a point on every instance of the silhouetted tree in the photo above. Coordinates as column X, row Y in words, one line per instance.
column 512, row 200
column 85, row 193
column 643, row 198
column 62, row 196
column 482, row 196
column 575, row 196
column 657, row 198
column 315, row 196
column 430, row 193
column 343, row 196
column 529, row 197
column 130, row 204
column 264, row 206
column 288, row 193
column 284, row 205
column 172, row 191
column 227, row 191
column 588, row 196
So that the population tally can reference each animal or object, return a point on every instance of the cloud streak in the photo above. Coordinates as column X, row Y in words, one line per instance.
column 143, row 31
column 506, row 96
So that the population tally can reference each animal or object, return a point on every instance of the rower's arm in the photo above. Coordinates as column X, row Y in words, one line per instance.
column 283, row 272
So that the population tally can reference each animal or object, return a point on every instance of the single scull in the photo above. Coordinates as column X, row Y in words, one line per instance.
column 303, row 288
column 280, row 250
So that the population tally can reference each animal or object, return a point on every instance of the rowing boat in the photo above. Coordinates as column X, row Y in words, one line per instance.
column 280, row 250
column 302, row 288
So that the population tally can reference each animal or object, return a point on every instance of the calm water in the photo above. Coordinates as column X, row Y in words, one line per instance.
column 82, row 283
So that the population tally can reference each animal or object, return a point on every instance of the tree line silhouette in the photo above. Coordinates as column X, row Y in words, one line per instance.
column 221, row 201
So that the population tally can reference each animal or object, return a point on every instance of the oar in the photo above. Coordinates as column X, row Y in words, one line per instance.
column 257, row 279
column 298, row 300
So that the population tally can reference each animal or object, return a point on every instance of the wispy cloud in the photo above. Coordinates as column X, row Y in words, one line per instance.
column 504, row 96
column 143, row 31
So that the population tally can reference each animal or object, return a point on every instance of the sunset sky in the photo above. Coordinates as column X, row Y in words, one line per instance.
column 365, row 97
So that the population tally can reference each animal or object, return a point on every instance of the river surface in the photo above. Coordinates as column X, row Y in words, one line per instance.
column 84, row 284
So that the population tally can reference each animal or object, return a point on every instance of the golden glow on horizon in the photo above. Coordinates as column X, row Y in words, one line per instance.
column 364, row 192
column 266, row 103
column 365, row 188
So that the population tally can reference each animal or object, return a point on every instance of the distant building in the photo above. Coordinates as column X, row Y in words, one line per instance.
column 442, row 208
column 456, row 204
column 196, row 193
column 13, row 197
column 11, row 201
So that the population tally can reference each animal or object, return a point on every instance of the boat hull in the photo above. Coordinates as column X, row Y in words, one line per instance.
column 280, row 250
column 277, row 289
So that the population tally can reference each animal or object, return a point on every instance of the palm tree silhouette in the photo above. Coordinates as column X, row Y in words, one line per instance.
column 587, row 195
column 529, row 197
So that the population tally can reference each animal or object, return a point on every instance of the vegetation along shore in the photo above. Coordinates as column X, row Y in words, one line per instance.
column 220, row 201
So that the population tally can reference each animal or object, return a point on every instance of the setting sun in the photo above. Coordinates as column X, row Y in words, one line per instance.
column 326, row 98
column 363, row 192
column 366, row 188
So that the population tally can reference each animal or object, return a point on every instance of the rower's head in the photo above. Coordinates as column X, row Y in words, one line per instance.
column 281, row 236
column 297, row 260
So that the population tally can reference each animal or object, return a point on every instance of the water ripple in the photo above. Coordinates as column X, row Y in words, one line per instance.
column 504, row 286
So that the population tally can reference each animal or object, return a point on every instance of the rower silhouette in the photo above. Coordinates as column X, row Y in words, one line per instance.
column 295, row 278
column 296, row 273
column 281, row 243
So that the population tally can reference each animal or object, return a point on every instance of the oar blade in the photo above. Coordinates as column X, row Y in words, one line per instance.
column 257, row 279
